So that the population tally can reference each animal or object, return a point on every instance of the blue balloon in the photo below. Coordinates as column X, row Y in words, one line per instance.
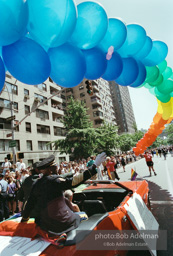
column 157, row 54
column 51, row 23
column 96, row 63
column 115, row 35
column 27, row 61
column 141, row 75
column 135, row 40
column 2, row 74
column 14, row 19
column 145, row 49
column 114, row 67
column 130, row 72
column 68, row 65
column 91, row 26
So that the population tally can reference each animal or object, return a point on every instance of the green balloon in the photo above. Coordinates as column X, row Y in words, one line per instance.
column 166, row 87
column 167, row 73
column 162, row 97
column 162, row 66
column 171, row 77
column 158, row 81
column 152, row 74
column 152, row 91
column 148, row 86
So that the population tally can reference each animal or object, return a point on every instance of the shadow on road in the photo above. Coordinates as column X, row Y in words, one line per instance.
column 162, row 209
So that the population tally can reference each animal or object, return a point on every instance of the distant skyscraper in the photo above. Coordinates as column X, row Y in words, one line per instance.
column 123, row 108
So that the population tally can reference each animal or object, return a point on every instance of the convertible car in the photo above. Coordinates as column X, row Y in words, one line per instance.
column 109, row 205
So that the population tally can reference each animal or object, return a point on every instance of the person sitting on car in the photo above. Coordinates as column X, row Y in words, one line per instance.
column 55, row 217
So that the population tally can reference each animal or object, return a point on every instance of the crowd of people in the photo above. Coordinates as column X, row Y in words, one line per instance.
column 12, row 177
column 162, row 151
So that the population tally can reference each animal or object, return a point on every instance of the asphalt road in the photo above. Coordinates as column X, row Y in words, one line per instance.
column 161, row 193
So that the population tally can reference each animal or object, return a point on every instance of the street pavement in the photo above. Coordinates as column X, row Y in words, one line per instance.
column 161, row 193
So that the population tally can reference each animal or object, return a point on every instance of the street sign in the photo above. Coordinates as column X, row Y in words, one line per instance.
column 10, row 118
column 9, row 135
column 12, row 143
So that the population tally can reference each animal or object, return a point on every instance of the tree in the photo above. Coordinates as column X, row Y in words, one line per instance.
column 169, row 131
column 157, row 143
column 82, row 139
column 80, row 136
column 135, row 126
column 125, row 142
column 107, row 139
column 136, row 137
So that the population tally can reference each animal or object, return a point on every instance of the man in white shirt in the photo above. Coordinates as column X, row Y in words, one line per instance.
column 20, row 165
column 6, row 165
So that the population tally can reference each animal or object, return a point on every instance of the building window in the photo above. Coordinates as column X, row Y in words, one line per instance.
column 69, row 90
column 42, row 114
column 62, row 96
column 27, row 109
column 30, row 162
column 97, row 113
column 59, row 131
column 41, row 87
column 43, row 129
column 4, row 145
column 28, row 127
column 82, row 94
column 83, row 101
column 98, row 122
column 40, row 98
column 44, row 145
column 15, row 106
column 81, row 87
column 11, row 88
column 26, row 92
column 62, row 159
column 29, row 145
column 69, row 97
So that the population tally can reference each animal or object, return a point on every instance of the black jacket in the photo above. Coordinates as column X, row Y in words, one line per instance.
column 54, row 215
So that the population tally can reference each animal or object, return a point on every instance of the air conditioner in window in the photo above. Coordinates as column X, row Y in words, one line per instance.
column 37, row 99
column 26, row 96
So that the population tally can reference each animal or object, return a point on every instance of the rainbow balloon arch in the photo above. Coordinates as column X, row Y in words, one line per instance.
column 54, row 38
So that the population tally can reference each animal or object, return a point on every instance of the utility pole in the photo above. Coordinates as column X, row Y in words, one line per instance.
column 12, row 123
column 12, row 130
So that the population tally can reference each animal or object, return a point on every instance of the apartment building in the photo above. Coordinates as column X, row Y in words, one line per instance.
column 100, row 106
column 34, row 126
column 123, row 107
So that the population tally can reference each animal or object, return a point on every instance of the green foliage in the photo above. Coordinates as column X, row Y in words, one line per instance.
column 125, row 142
column 157, row 143
column 82, row 139
column 136, row 137
column 76, row 116
column 107, row 139
column 169, row 131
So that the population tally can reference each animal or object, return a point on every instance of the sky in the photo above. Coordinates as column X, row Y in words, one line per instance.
column 155, row 16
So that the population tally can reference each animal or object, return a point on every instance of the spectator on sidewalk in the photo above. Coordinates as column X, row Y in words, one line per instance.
column 5, row 166
column 20, row 165
column 4, row 210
